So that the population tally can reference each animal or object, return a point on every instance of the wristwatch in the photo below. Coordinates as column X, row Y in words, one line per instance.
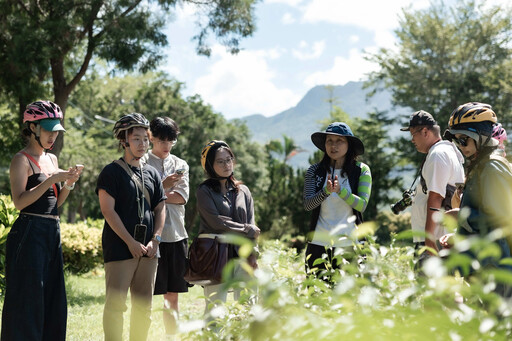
column 158, row 238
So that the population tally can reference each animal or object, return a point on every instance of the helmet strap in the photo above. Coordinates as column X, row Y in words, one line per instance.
column 126, row 146
column 481, row 142
column 37, row 135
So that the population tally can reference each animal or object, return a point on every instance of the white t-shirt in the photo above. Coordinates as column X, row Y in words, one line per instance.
column 174, row 227
column 442, row 166
column 336, row 221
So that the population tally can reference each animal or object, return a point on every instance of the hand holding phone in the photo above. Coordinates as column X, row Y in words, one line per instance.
column 181, row 171
column 79, row 167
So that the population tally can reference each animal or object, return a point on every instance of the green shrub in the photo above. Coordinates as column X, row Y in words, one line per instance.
column 8, row 214
column 380, row 297
column 81, row 245
column 391, row 224
column 81, row 242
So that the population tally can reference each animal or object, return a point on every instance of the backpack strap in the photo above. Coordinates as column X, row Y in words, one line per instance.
column 135, row 179
column 353, row 175
column 42, row 171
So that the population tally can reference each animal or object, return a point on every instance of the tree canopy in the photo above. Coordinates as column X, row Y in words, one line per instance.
column 447, row 56
column 154, row 94
column 46, row 47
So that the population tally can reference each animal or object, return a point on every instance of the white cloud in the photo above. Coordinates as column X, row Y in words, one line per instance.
column 385, row 39
column 307, row 53
column 374, row 15
column 287, row 19
column 380, row 17
column 243, row 84
column 354, row 38
column 353, row 68
column 184, row 14
column 292, row 3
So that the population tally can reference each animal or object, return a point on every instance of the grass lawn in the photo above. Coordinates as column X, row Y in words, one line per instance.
column 86, row 295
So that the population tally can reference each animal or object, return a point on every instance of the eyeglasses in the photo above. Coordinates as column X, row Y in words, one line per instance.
column 228, row 161
column 417, row 131
column 166, row 142
column 461, row 141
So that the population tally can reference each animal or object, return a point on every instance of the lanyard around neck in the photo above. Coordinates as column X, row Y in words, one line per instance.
column 140, row 199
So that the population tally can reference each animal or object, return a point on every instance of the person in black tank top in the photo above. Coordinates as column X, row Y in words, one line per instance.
column 35, row 306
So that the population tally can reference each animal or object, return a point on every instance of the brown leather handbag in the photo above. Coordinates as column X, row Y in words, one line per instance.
column 207, row 257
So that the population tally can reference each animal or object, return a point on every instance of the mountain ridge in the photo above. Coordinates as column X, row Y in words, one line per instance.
column 302, row 120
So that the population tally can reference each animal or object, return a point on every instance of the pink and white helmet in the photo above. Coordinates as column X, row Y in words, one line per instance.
column 499, row 133
column 42, row 110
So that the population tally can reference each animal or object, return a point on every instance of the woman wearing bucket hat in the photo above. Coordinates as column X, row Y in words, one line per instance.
column 487, row 193
column 336, row 189
column 35, row 305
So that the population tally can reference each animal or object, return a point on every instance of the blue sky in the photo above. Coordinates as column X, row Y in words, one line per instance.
column 298, row 44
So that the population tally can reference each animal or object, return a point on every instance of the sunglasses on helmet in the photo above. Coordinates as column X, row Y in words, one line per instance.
column 461, row 141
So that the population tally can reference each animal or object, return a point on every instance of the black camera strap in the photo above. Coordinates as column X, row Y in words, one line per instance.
column 420, row 175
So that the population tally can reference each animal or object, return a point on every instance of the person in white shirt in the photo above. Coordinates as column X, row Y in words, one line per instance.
column 337, row 190
column 174, row 244
column 441, row 170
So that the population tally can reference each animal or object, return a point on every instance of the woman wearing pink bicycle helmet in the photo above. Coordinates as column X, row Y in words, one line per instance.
column 42, row 114
column 499, row 133
column 35, row 306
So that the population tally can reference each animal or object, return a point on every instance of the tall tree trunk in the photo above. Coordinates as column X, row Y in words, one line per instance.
column 61, row 98
column 61, row 92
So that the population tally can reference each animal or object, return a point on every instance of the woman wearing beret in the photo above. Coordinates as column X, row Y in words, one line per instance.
column 336, row 190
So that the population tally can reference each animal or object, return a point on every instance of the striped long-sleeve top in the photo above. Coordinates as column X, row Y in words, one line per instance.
column 314, row 193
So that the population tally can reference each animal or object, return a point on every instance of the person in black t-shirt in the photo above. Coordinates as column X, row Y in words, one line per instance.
column 132, row 201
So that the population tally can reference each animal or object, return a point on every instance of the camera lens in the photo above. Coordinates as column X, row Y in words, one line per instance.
column 403, row 203
column 398, row 207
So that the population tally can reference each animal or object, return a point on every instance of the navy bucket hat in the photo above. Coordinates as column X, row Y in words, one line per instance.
column 340, row 129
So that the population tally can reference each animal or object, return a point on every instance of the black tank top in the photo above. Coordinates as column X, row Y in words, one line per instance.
column 47, row 203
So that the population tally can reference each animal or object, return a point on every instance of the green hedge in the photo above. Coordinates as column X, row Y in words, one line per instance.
column 81, row 245
column 8, row 214
column 81, row 242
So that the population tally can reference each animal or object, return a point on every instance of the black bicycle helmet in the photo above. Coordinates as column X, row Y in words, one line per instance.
column 129, row 121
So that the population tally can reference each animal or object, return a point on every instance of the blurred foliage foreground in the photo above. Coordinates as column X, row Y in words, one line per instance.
column 380, row 293
column 376, row 296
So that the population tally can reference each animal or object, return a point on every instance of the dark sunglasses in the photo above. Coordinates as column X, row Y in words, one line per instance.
column 461, row 141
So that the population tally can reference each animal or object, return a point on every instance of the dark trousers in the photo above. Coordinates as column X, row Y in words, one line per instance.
column 35, row 306
column 314, row 252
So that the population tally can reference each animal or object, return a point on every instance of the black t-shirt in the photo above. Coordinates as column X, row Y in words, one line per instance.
column 119, row 185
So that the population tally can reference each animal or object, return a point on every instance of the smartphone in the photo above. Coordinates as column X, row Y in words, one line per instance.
column 181, row 171
column 79, row 167
column 139, row 233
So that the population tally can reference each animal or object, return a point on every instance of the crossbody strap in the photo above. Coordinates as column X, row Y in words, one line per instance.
column 42, row 171
column 135, row 179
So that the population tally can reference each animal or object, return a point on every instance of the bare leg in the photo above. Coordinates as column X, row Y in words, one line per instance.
column 171, row 312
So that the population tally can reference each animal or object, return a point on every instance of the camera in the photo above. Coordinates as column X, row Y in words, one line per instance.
column 403, row 203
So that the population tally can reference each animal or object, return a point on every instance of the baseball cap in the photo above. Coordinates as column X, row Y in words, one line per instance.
column 420, row 118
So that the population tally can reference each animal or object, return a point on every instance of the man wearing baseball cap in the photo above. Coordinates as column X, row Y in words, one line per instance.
column 440, row 171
